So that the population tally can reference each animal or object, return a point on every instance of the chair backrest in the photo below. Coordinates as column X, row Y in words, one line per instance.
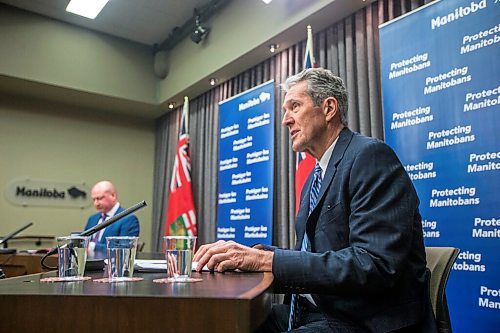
column 440, row 261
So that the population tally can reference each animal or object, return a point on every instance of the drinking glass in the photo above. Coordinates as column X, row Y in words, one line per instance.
column 121, row 257
column 179, row 256
column 71, row 256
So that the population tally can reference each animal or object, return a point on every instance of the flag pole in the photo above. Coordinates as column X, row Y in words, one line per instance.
column 304, row 162
column 181, row 213
column 185, row 109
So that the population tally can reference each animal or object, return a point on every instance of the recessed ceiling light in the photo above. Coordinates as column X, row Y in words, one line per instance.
column 213, row 81
column 267, row 2
column 171, row 105
column 86, row 8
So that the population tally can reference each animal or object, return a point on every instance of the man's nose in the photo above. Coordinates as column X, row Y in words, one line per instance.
column 287, row 120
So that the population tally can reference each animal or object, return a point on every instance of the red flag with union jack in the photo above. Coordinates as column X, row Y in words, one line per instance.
column 181, row 216
column 305, row 162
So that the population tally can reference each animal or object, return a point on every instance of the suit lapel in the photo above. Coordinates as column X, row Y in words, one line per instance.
column 303, row 211
column 94, row 220
column 337, row 155
column 106, row 230
column 303, row 219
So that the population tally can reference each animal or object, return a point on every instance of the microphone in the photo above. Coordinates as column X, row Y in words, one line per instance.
column 11, row 235
column 113, row 219
column 103, row 225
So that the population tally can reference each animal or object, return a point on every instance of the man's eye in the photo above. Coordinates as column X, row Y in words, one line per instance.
column 295, row 106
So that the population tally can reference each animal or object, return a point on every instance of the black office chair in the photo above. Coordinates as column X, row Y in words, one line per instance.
column 440, row 261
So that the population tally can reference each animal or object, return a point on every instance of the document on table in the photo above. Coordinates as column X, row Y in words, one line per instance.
column 142, row 265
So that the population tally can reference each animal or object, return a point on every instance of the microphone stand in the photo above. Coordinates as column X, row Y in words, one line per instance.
column 98, row 227
column 4, row 240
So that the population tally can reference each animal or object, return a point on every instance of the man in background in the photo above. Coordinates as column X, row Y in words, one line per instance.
column 105, row 200
column 359, row 262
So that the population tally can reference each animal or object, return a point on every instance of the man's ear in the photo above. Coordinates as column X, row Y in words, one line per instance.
column 330, row 108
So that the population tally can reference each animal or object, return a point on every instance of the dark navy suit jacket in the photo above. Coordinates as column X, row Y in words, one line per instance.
column 366, row 262
column 127, row 226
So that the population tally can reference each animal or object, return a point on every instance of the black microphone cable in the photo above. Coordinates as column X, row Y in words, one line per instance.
column 42, row 261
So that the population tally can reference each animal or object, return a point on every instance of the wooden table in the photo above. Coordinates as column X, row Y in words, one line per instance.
column 229, row 302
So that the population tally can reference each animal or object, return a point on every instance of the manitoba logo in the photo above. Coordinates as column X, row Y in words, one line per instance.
column 39, row 192
column 76, row 193
column 264, row 96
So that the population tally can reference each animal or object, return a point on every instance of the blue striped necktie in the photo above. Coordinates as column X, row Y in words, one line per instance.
column 313, row 200
column 315, row 188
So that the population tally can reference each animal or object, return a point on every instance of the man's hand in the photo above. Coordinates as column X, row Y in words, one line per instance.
column 222, row 256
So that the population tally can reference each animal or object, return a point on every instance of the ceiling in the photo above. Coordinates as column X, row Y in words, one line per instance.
column 147, row 22
column 151, row 23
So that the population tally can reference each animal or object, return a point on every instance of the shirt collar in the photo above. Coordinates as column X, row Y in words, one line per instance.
column 323, row 162
column 113, row 210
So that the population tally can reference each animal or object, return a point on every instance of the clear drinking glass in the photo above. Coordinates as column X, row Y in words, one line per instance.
column 121, row 257
column 179, row 256
column 72, row 256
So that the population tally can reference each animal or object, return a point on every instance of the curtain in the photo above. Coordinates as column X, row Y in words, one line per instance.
column 350, row 48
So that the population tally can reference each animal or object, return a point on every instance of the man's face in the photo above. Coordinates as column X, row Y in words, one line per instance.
column 306, row 122
column 103, row 200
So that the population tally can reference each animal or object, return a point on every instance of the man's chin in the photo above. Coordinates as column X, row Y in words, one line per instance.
column 297, row 147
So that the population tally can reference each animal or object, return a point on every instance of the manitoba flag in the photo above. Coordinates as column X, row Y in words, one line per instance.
column 305, row 162
column 181, row 217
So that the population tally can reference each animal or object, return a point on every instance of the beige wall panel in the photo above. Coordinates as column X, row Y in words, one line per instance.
column 47, row 51
column 61, row 143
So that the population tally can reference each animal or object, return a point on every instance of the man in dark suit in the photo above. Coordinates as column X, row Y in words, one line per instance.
column 359, row 262
column 106, row 202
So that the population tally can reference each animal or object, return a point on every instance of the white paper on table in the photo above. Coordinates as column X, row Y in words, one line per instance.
column 195, row 264
column 144, row 265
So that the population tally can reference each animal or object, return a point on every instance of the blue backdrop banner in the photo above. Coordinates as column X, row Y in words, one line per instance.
column 246, row 164
column 441, row 96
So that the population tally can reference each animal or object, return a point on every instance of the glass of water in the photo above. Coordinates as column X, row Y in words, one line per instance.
column 121, row 257
column 71, row 256
column 179, row 256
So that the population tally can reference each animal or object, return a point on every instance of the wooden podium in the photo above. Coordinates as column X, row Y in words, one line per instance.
column 221, row 302
column 24, row 263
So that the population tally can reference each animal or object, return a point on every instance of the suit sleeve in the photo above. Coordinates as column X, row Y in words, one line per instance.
column 377, row 208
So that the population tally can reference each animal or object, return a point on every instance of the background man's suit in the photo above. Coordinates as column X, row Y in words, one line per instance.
column 367, row 213
column 127, row 226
